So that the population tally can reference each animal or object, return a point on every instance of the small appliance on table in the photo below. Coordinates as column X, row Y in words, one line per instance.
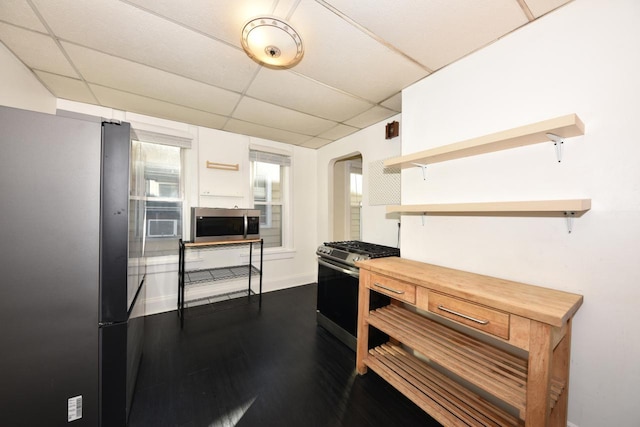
column 337, row 305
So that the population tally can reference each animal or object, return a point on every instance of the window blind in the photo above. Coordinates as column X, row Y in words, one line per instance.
column 146, row 135
column 263, row 156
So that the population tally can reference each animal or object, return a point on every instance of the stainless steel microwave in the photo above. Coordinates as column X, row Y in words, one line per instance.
column 221, row 224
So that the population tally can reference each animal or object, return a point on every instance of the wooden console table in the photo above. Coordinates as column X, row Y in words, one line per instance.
column 529, row 376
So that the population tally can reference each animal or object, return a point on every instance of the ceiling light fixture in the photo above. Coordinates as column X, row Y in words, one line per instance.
column 272, row 42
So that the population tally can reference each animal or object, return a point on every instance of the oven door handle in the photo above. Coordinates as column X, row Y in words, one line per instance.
column 353, row 273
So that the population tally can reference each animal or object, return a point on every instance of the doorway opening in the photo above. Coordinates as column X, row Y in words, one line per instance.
column 347, row 198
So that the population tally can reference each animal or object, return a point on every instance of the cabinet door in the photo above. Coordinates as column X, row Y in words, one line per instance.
column 228, row 149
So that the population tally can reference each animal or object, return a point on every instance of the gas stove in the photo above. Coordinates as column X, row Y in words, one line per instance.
column 350, row 251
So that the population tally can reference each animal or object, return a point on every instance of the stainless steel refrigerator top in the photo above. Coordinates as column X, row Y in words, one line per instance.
column 71, row 336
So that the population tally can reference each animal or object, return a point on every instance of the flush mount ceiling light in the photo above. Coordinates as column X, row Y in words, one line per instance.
column 272, row 42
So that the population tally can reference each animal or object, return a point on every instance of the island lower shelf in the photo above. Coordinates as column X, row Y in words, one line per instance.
column 435, row 393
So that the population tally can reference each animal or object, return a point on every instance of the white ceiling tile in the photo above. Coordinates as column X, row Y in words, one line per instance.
column 131, row 33
column 294, row 91
column 316, row 143
column 66, row 87
column 394, row 103
column 110, row 71
column 274, row 116
column 285, row 8
column 340, row 131
column 265, row 132
column 221, row 19
column 373, row 116
column 182, row 61
column 20, row 13
column 436, row 32
column 152, row 107
column 36, row 50
column 338, row 54
column 540, row 7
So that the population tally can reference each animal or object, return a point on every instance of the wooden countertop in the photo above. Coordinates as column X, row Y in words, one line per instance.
column 533, row 302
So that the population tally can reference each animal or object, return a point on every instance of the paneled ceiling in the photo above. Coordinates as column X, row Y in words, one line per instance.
column 183, row 61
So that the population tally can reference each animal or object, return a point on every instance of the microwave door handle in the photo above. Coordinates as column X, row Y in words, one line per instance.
column 246, row 226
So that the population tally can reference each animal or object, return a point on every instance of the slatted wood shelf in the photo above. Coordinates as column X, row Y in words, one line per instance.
column 575, row 207
column 445, row 400
column 492, row 369
column 564, row 126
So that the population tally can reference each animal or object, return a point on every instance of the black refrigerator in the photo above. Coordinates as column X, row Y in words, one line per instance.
column 72, row 256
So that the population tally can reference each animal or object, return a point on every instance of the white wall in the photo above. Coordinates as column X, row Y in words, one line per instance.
column 19, row 88
column 377, row 226
column 291, row 267
column 584, row 59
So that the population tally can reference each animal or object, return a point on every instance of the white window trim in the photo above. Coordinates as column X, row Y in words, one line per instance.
column 147, row 132
column 287, row 196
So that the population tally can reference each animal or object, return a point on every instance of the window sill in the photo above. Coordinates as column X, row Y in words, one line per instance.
column 270, row 254
column 169, row 263
column 161, row 264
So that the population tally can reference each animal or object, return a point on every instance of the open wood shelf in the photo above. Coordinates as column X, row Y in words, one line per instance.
column 564, row 126
column 575, row 207
column 445, row 400
column 487, row 367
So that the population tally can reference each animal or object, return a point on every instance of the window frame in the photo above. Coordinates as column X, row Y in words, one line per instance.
column 285, row 199
column 182, row 137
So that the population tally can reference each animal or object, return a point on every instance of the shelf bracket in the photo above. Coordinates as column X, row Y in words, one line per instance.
column 569, row 217
column 424, row 170
column 424, row 215
column 557, row 141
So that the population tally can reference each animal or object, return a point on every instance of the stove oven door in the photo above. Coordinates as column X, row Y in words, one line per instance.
column 337, row 304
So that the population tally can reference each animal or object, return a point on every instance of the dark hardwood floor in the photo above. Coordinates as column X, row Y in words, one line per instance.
column 236, row 365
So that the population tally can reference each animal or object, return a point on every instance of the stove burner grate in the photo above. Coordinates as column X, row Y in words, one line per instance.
column 371, row 249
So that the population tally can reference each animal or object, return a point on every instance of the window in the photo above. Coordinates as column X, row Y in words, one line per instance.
column 270, row 173
column 156, row 193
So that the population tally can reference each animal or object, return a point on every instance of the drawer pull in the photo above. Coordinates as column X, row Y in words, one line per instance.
column 395, row 291
column 464, row 316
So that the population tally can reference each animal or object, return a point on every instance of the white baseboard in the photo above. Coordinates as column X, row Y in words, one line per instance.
column 570, row 424
column 161, row 304
column 165, row 303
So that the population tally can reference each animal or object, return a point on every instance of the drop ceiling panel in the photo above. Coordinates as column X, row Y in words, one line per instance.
column 182, row 60
column 151, row 107
column 265, row 132
column 540, row 7
column 36, row 50
column 340, row 55
column 131, row 33
column 316, row 143
column 67, row 87
column 220, row 19
column 110, row 71
column 294, row 91
column 19, row 12
column 339, row 131
column 436, row 32
column 394, row 103
column 274, row 116
column 374, row 115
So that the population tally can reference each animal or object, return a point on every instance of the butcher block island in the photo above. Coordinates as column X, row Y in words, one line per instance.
column 471, row 350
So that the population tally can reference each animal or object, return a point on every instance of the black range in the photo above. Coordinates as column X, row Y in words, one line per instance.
column 338, row 276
